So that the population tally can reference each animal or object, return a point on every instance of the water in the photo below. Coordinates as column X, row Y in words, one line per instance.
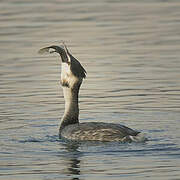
column 131, row 52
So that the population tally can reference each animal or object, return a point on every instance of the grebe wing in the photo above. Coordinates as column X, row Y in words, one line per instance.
column 97, row 131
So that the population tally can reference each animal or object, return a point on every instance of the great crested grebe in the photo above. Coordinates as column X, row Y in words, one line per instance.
column 72, row 75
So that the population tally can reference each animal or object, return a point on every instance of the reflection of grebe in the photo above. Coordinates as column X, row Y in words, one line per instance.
column 72, row 75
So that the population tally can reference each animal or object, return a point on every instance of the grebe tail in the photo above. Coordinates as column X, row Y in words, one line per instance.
column 72, row 75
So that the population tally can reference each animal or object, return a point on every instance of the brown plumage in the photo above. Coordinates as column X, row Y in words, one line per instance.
column 72, row 75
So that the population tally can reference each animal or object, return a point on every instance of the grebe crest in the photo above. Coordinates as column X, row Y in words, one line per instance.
column 72, row 75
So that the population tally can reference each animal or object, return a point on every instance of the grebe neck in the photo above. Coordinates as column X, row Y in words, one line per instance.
column 71, row 113
column 72, row 75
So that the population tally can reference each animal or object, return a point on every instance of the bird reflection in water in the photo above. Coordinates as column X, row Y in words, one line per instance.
column 73, row 161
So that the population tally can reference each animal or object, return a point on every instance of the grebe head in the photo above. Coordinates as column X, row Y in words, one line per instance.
column 72, row 72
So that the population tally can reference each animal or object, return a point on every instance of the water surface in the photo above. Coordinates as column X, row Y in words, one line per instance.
column 131, row 52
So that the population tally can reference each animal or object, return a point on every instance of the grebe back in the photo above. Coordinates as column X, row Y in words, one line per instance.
column 72, row 75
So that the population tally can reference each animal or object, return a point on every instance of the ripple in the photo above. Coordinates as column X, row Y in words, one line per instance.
column 53, row 138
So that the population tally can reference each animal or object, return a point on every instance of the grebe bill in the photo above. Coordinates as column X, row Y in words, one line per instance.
column 72, row 75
